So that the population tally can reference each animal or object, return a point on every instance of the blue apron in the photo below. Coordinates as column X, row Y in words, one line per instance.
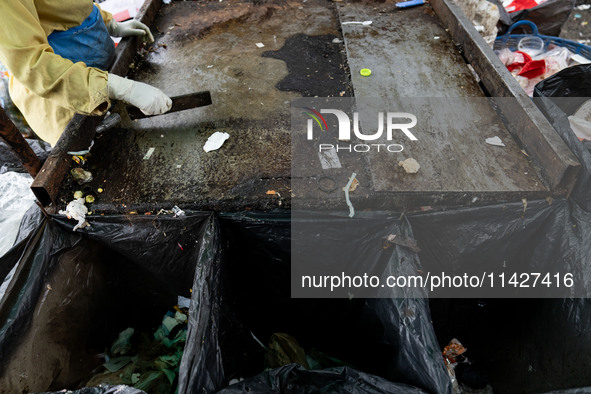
column 89, row 43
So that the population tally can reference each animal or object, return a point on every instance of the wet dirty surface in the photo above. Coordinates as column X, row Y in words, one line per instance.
column 317, row 66
column 408, row 52
column 411, row 55
column 213, row 46
column 255, row 57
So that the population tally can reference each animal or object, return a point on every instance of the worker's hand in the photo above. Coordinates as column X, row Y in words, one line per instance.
column 130, row 28
column 150, row 100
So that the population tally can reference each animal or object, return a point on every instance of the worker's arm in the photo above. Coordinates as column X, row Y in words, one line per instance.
column 24, row 50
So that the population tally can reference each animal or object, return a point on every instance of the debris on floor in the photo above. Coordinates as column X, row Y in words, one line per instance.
column 147, row 362
column 284, row 349
column 465, row 376
column 178, row 212
column 215, row 141
column 346, row 189
column 496, row 141
column 76, row 210
column 410, row 165
column 484, row 15
column 81, row 176
column 353, row 185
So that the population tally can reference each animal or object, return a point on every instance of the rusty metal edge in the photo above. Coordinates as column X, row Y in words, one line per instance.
column 555, row 162
column 79, row 133
column 386, row 201
column 15, row 140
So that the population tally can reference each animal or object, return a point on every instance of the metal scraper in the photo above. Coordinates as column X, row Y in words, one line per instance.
column 179, row 103
column 124, row 113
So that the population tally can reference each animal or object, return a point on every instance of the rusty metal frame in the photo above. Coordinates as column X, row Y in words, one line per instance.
column 13, row 137
column 79, row 133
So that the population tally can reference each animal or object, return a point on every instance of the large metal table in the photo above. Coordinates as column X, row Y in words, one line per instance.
column 422, row 52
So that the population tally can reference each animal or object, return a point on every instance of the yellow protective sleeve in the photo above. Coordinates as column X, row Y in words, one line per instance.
column 38, row 74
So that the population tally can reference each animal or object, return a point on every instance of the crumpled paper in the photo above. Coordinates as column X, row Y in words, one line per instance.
column 76, row 210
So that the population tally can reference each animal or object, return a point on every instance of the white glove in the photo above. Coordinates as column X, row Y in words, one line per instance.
column 130, row 28
column 150, row 100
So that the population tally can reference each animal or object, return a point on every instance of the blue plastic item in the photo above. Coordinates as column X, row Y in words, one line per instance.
column 410, row 3
column 510, row 41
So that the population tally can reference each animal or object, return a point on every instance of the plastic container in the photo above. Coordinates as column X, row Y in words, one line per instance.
column 511, row 41
column 532, row 45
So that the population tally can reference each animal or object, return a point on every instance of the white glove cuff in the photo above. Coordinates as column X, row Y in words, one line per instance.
column 119, row 88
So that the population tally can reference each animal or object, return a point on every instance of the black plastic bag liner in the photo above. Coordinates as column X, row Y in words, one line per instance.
column 73, row 292
column 572, row 82
column 334, row 380
column 558, row 97
column 9, row 161
column 546, row 236
column 250, row 278
column 520, row 345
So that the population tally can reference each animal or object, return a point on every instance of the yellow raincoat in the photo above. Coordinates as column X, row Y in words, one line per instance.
column 47, row 88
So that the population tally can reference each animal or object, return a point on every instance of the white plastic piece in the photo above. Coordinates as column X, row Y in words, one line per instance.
column 149, row 153
column 183, row 302
column 215, row 141
column 351, row 209
column 581, row 127
column 364, row 23
column 329, row 159
column 496, row 141
column 580, row 59
column 15, row 198
column 76, row 210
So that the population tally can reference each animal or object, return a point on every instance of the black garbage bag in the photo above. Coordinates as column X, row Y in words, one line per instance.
column 520, row 344
column 558, row 97
column 573, row 82
column 250, row 278
column 517, row 344
column 73, row 292
column 10, row 162
column 293, row 378
column 548, row 17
